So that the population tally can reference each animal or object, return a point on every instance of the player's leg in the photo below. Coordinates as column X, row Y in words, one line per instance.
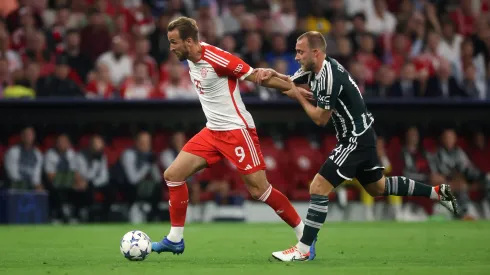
column 242, row 148
column 324, row 182
column 196, row 155
column 262, row 190
column 376, row 184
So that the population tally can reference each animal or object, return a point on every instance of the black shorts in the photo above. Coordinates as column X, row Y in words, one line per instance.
column 353, row 157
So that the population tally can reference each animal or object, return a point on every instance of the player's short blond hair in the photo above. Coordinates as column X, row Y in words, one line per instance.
column 186, row 26
column 315, row 39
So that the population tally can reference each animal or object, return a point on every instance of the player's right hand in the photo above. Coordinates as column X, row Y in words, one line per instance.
column 262, row 74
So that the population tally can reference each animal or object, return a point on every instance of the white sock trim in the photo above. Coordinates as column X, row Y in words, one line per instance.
column 266, row 194
column 174, row 183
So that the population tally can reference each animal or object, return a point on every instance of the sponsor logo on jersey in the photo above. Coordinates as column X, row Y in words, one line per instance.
column 323, row 98
column 238, row 68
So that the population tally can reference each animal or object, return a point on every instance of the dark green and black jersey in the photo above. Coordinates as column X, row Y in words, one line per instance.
column 334, row 89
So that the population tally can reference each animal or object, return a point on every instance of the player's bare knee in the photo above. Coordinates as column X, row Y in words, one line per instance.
column 171, row 175
column 320, row 186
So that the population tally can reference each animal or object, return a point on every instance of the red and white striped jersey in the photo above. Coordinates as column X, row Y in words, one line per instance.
column 215, row 77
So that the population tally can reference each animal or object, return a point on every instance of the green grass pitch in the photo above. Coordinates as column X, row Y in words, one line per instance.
column 344, row 248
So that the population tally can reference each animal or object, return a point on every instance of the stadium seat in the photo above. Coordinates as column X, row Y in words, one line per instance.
column 13, row 140
column 276, row 164
column 122, row 142
column 84, row 141
column 463, row 143
column 429, row 144
column 160, row 141
column 48, row 142
column 328, row 144
column 305, row 163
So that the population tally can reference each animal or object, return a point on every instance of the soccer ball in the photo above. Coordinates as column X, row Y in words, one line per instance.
column 135, row 245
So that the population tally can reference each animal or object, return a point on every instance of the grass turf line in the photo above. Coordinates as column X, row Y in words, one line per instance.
column 343, row 248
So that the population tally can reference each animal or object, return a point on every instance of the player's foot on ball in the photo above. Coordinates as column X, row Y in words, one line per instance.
column 447, row 199
column 167, row 246
column 312, row 250
column 291, row 255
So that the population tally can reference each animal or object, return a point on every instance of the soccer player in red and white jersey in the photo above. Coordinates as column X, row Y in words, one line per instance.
column 229, row 133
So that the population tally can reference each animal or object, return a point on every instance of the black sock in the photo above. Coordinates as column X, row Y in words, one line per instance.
column 317, row 214
column 401, row 186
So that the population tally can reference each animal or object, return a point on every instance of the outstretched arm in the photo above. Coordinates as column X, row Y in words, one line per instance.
column 272, row 79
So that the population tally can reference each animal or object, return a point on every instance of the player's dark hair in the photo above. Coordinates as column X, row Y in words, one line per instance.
column 186, row 26
column 316, row 40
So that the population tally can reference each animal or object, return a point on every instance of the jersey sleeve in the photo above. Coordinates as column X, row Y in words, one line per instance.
column 327, row 96
column 301, row 77
column 226, row 64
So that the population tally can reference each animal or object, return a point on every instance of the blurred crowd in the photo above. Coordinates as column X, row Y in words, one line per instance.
column 118, row 48
column 87, row 176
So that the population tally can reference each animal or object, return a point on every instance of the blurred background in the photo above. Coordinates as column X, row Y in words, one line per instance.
column 93, row 107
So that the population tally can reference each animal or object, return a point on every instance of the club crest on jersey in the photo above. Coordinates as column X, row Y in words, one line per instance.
column 204, row 72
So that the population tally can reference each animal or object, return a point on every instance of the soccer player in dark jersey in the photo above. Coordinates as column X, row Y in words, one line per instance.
column 338, row 99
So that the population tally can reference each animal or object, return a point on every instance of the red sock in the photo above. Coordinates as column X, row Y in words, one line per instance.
column 281, row 204
column 179, row 199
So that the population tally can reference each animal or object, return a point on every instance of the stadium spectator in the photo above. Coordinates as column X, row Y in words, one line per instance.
column 479, row 151
column 231, row 18
column 138, row 86
column 470, row 84
column 93, row 173
column 453, row 164
column 141, row 178
column 380, row 20
column 5, row 79
column 101, row 86
column 450, row 44
column 443, row 84
column 177, row 86
column 159, row 41
column 12, row 57
column 57, row 32
column 78, row 61
column 354, row 7
column 464, row 18
column 408, row 84
column 462, row 69
column 358, row 29
column 119, row 63
column 339, row 31
column 95, row 38
column 385, row 81
column 37, row 51
column 427, row 62
column 58, row 84
column 23, row 163
column 59, row 169
column 142, row 54
column 16, row 18
column 315, row 20
column 285, row 16
column 279, row 51
column 367, row 57
column 17, row 89
column 345, row 51
column 357, row 71
column 251, row 51
column 205, row 14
